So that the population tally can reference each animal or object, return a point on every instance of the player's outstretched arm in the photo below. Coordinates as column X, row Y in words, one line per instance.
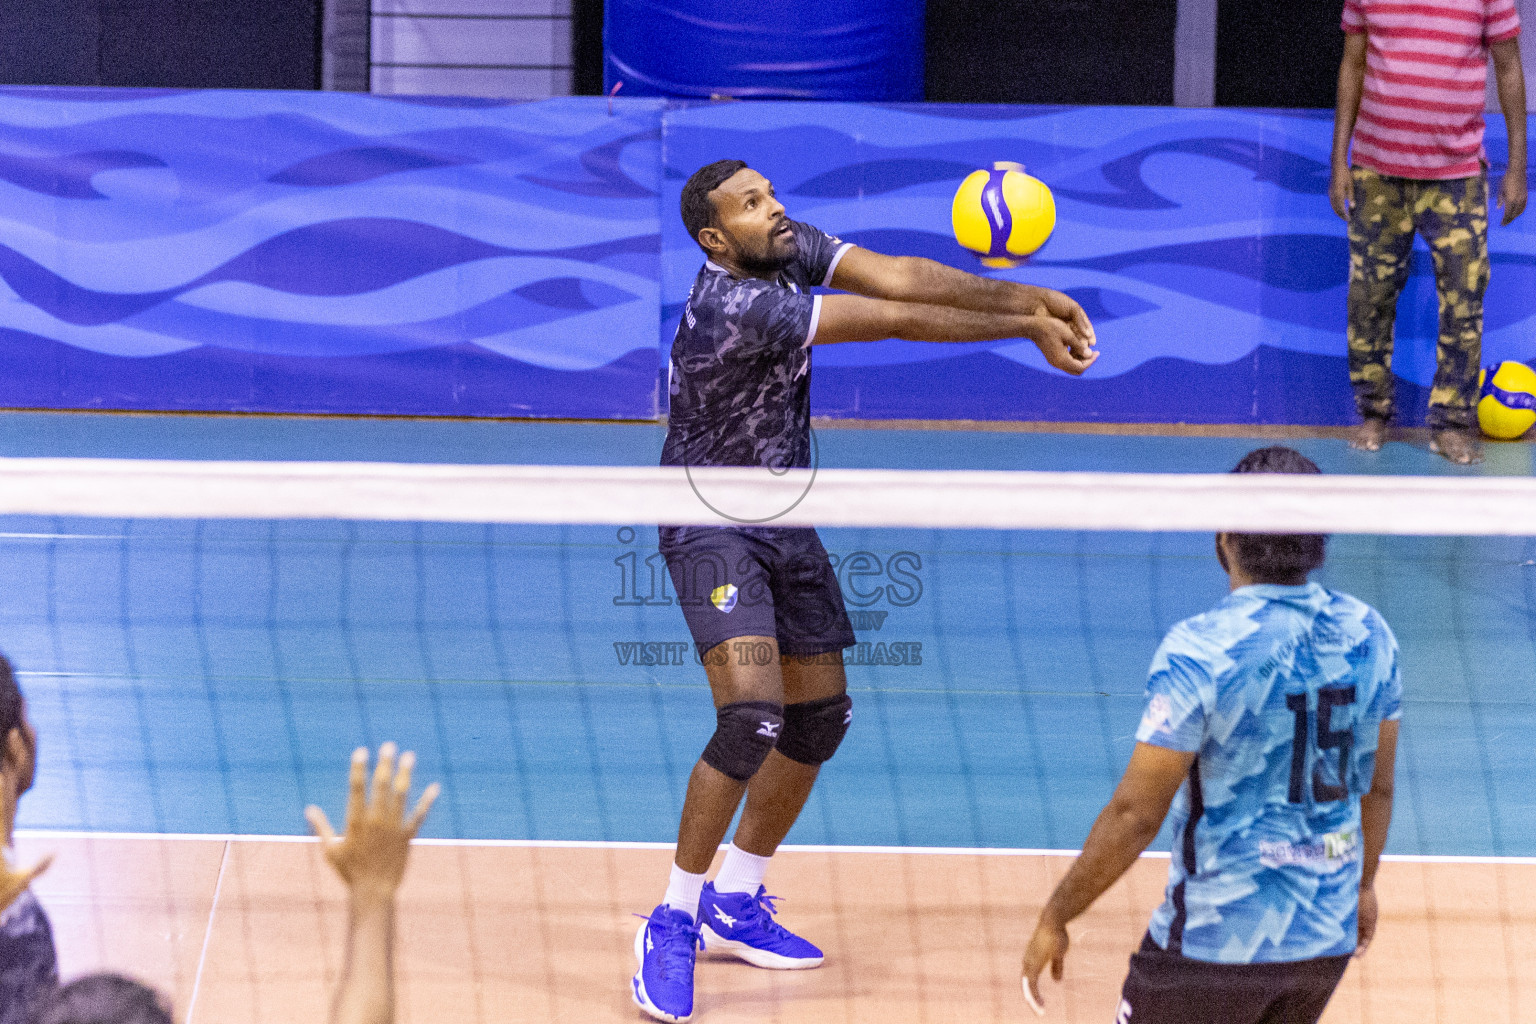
column 854, row 318
column 1375, row 818
column 914, row 279
column 1123, row 829
column 370, row 858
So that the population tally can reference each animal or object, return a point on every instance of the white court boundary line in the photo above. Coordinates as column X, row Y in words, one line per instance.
column 624, row 495
column 202, row 959
column 601, row 844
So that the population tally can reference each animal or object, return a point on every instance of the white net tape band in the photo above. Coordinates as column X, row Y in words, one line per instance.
column 831, row 497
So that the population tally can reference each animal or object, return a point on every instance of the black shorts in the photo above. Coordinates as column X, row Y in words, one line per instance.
column 757, row 581
column 1168, row 988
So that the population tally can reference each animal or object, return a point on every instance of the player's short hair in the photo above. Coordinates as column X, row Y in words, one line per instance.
column 698, row 209
column 102, row 999
column 10, row 699
column 1278, row 557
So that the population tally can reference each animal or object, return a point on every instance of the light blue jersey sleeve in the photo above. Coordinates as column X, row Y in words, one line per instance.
column 1180, row 691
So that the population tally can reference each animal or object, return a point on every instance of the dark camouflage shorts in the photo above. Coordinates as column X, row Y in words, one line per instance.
column 1452, row 217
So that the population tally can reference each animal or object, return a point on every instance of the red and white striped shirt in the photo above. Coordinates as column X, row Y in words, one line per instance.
column 1426, row 70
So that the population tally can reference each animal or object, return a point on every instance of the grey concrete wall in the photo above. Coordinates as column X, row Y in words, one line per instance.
column 519, row 49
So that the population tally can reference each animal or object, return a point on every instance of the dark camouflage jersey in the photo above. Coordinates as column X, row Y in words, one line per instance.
column 28, row 964
column 741, row 365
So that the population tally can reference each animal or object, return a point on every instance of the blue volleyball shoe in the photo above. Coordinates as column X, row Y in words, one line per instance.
column 665, row 947
column 742, row 925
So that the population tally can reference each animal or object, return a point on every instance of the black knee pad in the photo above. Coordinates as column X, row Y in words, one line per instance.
column 744, row 733
column 813, row 729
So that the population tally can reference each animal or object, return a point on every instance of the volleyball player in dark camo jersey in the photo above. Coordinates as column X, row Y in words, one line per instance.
column 740, row 389
column 741, row 368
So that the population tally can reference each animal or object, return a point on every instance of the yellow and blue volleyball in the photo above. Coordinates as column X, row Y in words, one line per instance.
column 1003, row 214
column 1507, row 406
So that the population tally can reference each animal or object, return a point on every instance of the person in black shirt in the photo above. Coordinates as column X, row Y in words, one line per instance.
column 762, row 602
column 29, row 966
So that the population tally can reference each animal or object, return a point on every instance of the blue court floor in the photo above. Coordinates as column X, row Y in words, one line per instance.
column 212, row 677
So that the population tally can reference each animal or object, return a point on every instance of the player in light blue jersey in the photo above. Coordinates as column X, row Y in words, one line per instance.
column 1270, row 729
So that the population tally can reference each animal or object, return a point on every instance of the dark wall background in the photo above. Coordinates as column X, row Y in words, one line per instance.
column 48, row 42
column 1269, row 54
column 1278, row 54
column 587, row 47
column 230, row 44
column 1051, row 51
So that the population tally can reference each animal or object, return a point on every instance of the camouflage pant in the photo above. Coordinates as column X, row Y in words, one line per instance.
column 1453, row 218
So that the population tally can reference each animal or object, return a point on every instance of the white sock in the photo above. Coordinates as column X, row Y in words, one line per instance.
column 683, row 891
column 741, row 872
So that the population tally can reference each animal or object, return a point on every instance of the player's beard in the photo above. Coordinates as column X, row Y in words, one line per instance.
column 774, row 256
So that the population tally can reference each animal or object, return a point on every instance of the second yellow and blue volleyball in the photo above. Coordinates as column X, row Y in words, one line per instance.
column 1507, row 405
column 1003, row 214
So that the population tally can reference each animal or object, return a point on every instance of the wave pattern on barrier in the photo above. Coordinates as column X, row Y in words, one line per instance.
column 1201, row 241
column 273, row 238
column 291, row 252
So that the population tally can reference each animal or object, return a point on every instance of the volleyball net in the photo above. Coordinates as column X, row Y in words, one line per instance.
column 1141, row 502
column 202, row 643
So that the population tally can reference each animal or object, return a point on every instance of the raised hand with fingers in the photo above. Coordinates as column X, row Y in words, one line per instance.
column 372, row 851
column 14, row 881
column 370, row 857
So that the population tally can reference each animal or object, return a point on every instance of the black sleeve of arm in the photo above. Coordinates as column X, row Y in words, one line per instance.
column 775, row 320
column 819, row 252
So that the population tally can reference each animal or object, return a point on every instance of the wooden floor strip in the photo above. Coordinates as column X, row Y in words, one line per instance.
column 540, row 933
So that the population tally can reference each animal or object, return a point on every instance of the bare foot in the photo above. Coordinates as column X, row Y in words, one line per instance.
column 1370, row 435
column 1459, row 446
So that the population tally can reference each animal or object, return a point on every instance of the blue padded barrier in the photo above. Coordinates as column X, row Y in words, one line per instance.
column 1200, row 241
column 313, row 252
column 326, row 252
